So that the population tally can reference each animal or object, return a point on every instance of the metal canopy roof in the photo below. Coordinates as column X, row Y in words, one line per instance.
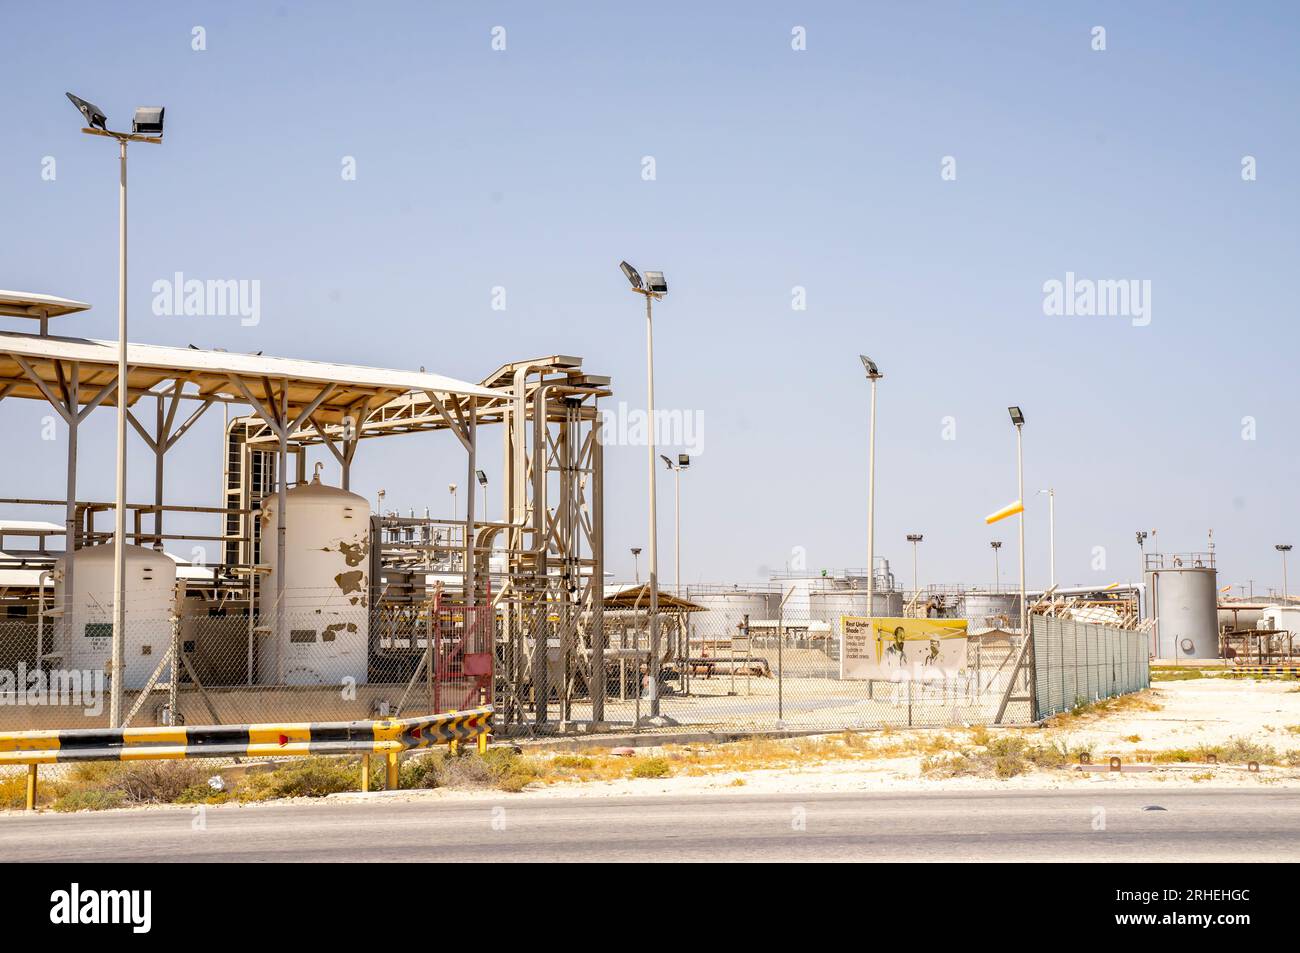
column 24, row 304
column 216, row 375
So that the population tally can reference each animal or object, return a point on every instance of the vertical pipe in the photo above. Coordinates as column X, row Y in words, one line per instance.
column 677, row 532
column 471, row 489
column 281, row 527
column 70, row 520
column 159, row 451
column 598, row 573
column 1051, row 531
column 119, row 521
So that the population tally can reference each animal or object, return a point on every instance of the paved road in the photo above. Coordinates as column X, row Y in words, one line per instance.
column 1224, row 825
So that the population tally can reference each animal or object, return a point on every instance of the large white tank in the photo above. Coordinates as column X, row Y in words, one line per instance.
column 726, row 608
column 87, row 639
column 1184, row 602
column 327, row 588
column 992, row 610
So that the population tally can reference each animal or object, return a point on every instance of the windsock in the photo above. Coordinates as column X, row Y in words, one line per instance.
column 1011, row 509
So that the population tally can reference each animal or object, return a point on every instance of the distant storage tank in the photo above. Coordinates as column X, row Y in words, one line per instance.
column 150, row 591
column 991, row 610
column 1184, row 601
column 327, row 615
column 726, row 608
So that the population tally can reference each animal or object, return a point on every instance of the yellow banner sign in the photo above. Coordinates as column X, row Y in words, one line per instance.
column 902, row 649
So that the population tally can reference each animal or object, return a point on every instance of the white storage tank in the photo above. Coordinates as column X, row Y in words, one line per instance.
column 149, row 599
column 327, row 588
column 1184, row 601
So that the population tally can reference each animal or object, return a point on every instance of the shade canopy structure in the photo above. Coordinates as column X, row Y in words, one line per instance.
column 27, row 304
column 37, row 367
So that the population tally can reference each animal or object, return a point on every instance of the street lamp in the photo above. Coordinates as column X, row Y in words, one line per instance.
column 1051, row 529
column 455, row 510
column 1284, row 548
column 636, row 563
column 683, row 462
column 482, row 481
column 873, row 375
column 914, row 539
column 1018, row 420
column 147, row 126
column 997, row 572
column 653, row 287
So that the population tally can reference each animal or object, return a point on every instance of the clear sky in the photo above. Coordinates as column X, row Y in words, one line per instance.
column 774, row 169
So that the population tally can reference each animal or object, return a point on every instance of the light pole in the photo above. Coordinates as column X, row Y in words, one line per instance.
column 636, row 563
column 482, row 481
column 997, row 572
column 683, row 462
column 146, row 126
column 873, row 375
column 914, row 539
column 1051, row 530
column 654, row 287
column 455, row 510
column 1018, row 419
column 1284, row 548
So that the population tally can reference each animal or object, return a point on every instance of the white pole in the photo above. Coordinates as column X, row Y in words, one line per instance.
column 677, row 531
column 871, row 509
column 119, row 523
column 654, row 521
column 1051, row 531
column 1020, row 482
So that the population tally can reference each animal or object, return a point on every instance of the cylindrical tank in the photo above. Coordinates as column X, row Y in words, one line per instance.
column 725, row 609
column 326, row 588
column 1184, row 602
column 992, row 610
column 87, row 638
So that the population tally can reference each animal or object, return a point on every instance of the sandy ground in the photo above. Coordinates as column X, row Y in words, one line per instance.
column 1200, row 711
column 1207, row 711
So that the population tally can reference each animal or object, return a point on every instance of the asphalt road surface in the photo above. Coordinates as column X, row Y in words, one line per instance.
column 1200, row 825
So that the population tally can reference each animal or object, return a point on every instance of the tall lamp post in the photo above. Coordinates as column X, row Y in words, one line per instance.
column 683, row 462
column 1284, row 548
column 653, row 287
column 873, row 375
column 1051, row 530
column 636, row 564
column 1018, row 419
column 146, row 126
column 997, row 572
column 482, row 481
column 915, row 539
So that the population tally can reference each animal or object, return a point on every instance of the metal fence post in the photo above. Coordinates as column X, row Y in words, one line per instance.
column 31, row 787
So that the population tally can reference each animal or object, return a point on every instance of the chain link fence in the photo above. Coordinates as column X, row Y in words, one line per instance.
column 316, row 660
column 1077, row 663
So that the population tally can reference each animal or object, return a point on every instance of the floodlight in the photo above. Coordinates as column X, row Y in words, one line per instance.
column 148, row 121
column 914, row 537
column 873, row 372
column 656, row 282
column 632, row 275
column 996, row 544
column 93, row 114
column 1283, row 547
column 683, row 460
column 1017, row 417
column 482, row 477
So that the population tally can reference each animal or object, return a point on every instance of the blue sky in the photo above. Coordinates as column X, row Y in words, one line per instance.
column 775, row 168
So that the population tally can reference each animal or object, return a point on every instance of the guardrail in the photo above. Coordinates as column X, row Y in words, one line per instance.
column 388, row 737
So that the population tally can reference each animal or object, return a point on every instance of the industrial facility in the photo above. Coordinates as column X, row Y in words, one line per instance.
column 322, row 606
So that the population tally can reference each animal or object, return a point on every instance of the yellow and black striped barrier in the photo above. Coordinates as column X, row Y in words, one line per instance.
column 387, row 737
column 1265, row 670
